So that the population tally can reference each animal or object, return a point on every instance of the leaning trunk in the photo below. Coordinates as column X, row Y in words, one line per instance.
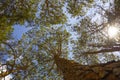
column 74, row 71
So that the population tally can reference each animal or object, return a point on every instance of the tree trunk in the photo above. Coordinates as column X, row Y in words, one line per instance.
column 74, row 71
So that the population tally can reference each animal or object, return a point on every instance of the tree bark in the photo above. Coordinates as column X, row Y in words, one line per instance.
column 74, row 71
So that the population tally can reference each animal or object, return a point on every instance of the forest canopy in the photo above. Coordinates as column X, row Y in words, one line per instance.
column 63, row 33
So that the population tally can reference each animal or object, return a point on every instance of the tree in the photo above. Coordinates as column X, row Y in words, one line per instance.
column 93, row 36
column 15, row 12
column 43, row 52
column 27, row 58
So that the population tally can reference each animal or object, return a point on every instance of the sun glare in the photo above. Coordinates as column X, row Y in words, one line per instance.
column 112, row 32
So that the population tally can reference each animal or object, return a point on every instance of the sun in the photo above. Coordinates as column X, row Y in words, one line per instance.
column 112, row 32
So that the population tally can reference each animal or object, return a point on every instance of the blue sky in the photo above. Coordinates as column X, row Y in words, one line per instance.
column 19, row 30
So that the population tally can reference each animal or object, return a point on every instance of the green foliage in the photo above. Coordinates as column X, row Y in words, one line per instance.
column 4, row 33
column 117, row 5
column 116, row 12
column 15, row 12
column 51, row 13
column 39, row 46
column 75, row 7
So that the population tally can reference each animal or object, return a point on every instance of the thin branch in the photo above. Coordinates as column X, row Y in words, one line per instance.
column 98, row 30
column 3, row 74
column 113, row 49
column 104, row 46
column 51, row 68
column 101, row 8
column 13, row 50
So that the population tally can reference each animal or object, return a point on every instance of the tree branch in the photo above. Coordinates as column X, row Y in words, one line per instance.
column 113, row 49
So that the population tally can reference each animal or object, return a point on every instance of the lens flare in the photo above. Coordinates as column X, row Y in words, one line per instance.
column 112, row 32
